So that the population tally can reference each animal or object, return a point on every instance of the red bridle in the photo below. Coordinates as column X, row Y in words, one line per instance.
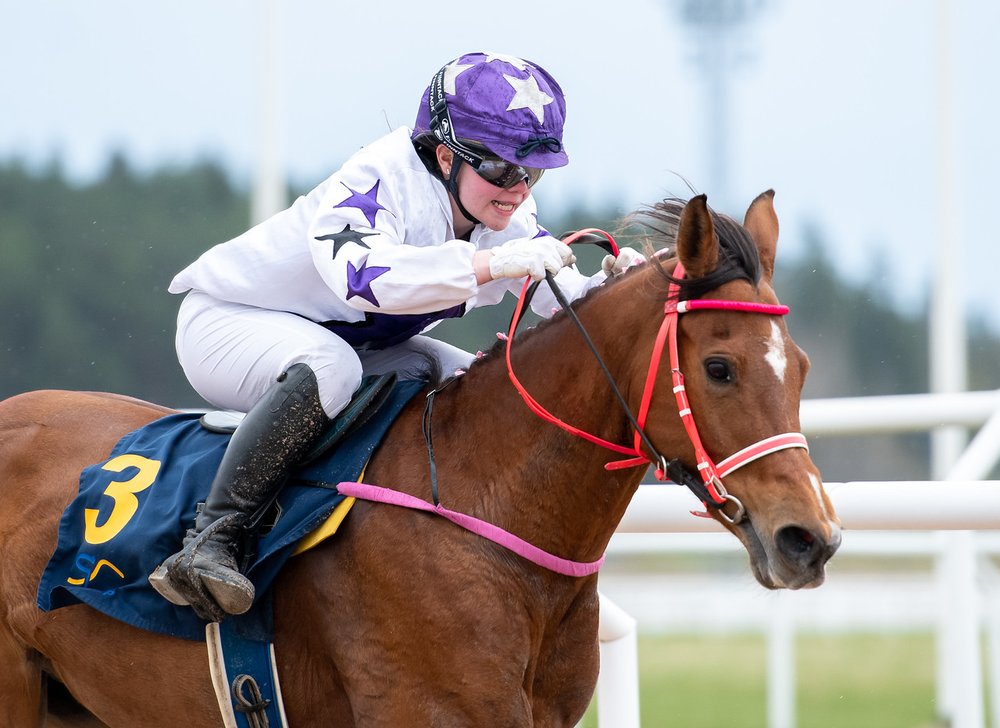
column 714, row 493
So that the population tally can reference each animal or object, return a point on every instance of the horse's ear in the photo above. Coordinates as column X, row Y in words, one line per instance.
column 697, row 244
column 762, row 224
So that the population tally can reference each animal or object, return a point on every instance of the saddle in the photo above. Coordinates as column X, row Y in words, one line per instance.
column 366, row 402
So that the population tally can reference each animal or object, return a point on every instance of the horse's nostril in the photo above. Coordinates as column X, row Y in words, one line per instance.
column 798, row 544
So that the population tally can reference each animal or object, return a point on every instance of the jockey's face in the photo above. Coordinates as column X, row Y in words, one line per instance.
column 492, row 205
column 488, row 203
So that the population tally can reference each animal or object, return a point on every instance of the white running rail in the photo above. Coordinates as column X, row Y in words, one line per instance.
column 957, row 506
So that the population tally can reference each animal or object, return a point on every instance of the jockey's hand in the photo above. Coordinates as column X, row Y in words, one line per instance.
column 529, row 257
column 627, row 257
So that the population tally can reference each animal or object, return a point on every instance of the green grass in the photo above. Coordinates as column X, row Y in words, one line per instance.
column 842, row 681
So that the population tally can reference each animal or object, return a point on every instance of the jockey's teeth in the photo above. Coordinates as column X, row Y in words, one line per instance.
column 505, row 206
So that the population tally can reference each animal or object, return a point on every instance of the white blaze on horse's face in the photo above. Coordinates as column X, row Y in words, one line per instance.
column 776, row 352
column 818, row 488
column 834, row 526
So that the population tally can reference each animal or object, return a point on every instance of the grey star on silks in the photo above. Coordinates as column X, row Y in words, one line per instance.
column 451, row 72
column 527, row 95
column 347, row 235
column 518, row 63
column 367, row 202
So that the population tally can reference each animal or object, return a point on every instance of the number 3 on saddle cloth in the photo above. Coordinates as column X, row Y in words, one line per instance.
column 133, row 509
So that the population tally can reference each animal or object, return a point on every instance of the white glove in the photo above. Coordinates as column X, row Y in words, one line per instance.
column 530, row 257
column 627, row 257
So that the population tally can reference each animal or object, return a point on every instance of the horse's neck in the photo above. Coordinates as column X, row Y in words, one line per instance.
column 501, row 462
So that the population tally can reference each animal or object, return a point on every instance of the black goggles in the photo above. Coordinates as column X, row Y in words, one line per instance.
column 504, row 174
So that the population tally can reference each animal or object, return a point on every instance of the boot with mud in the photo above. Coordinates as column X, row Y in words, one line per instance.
column 274, row 436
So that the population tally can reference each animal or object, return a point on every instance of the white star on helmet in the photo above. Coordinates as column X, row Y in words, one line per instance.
column 518, row 63
column 527, row 95
column 451, row 72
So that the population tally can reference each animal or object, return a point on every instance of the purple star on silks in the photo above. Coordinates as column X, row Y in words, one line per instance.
column 359, row 281
column 367, row 202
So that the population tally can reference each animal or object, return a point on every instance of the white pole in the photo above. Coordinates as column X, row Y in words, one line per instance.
column 961, row 606
column 897, row 412
column 955, row 691
column 269, row 195
column 981, row 454
column 618, row 681
column 916, row 505
column 947, row 320
column 993, row 643
column 780, row 664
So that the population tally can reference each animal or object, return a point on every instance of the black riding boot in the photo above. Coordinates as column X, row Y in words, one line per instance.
column 274, row 436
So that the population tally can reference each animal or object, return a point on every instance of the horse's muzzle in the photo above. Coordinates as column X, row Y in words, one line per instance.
column 794, row 558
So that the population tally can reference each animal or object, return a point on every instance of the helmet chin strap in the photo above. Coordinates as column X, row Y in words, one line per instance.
column 451, row 184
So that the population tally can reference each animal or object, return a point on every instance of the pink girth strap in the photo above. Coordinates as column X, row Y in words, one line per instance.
column 496, row 534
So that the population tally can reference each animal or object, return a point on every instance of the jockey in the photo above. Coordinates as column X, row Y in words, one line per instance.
column 283, row 321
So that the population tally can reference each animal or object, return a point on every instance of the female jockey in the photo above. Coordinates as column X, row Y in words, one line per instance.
column 283, row 321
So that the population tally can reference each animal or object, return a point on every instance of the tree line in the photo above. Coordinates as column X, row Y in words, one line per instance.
column 84, row 305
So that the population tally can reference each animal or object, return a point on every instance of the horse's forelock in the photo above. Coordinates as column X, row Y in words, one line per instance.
column 739, row 260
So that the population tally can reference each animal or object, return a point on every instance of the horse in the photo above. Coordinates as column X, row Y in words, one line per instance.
column 404, row 618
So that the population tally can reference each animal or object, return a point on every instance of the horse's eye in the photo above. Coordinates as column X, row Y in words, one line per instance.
column 718, row 370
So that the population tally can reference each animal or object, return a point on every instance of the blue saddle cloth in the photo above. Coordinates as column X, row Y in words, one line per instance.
column 133, row 509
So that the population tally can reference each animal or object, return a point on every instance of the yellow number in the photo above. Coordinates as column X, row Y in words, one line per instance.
column 123, row 492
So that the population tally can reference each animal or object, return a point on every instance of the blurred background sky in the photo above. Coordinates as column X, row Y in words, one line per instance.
column 875, row 120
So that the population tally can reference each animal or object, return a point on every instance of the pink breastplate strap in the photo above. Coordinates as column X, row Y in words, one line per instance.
column 487, row 530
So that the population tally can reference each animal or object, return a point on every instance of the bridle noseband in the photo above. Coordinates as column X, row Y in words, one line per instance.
column 707, row 484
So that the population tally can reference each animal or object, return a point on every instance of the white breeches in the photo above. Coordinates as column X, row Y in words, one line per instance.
column 233, row 353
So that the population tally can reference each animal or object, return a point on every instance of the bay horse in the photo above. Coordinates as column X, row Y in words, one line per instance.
column 403, row 618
